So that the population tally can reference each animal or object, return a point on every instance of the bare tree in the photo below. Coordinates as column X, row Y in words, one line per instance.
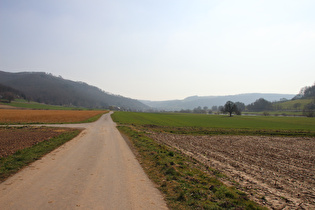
column 230, row 107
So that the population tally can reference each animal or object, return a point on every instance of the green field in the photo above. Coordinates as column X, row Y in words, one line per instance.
column 289, row 105
column 217, row 121
column 183, row 181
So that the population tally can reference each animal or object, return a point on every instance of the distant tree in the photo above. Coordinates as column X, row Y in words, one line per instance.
column 221, row 109
column 185, row 111
column 214, row 108
column 260, row 105
column 198, row 110
column 306, row 92
column 230, row 107
column 297, row 105
column 240, row 107
column 309, row 109
column 8, row 96
column 310, row 92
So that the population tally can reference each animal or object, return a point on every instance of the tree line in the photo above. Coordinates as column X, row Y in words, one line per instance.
column 260, row 105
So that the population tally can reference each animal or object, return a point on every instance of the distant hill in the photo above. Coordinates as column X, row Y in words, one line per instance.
column 46, row 88
column 209, row 101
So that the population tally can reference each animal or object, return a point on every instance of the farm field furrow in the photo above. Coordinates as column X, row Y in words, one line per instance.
column 276, row 171
column 17, row 116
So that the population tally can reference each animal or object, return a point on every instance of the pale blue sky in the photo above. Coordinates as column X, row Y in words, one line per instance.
column 159, row 50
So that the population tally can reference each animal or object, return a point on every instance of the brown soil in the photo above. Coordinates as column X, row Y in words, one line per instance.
column 13, row 139
column 276, row 172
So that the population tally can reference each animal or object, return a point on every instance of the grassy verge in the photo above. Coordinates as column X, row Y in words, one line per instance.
column 13, row 163
column 184, row 183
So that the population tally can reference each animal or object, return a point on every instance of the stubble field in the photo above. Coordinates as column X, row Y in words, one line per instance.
column 17, row 116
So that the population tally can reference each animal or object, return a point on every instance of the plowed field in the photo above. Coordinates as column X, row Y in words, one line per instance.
column 16, row 116
column 13, row 139
column 278, row 172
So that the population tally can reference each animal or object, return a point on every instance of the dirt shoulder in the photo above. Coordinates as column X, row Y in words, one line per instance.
column 277, row 172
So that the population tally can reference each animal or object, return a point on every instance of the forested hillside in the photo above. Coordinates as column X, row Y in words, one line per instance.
column 7, row 93
column 306, row 92
column 46, row 88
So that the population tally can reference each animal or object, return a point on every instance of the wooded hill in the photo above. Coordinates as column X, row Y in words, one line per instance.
column 8, row 94
column 46, row 88
column 209, row 101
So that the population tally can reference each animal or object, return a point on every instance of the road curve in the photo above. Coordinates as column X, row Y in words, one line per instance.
column 95, row 170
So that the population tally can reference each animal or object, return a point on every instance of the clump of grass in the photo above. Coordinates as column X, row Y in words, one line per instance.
column 184, row 185
column 13, row 163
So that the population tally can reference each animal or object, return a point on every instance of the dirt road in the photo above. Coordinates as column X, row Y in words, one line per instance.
column 96, row 170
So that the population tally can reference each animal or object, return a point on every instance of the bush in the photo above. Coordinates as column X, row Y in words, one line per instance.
column 266, row 113
column 309, row 109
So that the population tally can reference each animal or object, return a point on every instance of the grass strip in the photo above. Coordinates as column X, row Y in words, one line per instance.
column 13, row 163
column 183, row 183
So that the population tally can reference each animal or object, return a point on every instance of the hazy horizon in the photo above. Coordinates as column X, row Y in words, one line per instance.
column 164, row 50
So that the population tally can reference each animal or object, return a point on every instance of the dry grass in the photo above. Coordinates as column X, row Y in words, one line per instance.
column 14, row 116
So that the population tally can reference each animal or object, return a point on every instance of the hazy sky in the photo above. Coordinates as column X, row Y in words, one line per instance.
column 164, row 49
